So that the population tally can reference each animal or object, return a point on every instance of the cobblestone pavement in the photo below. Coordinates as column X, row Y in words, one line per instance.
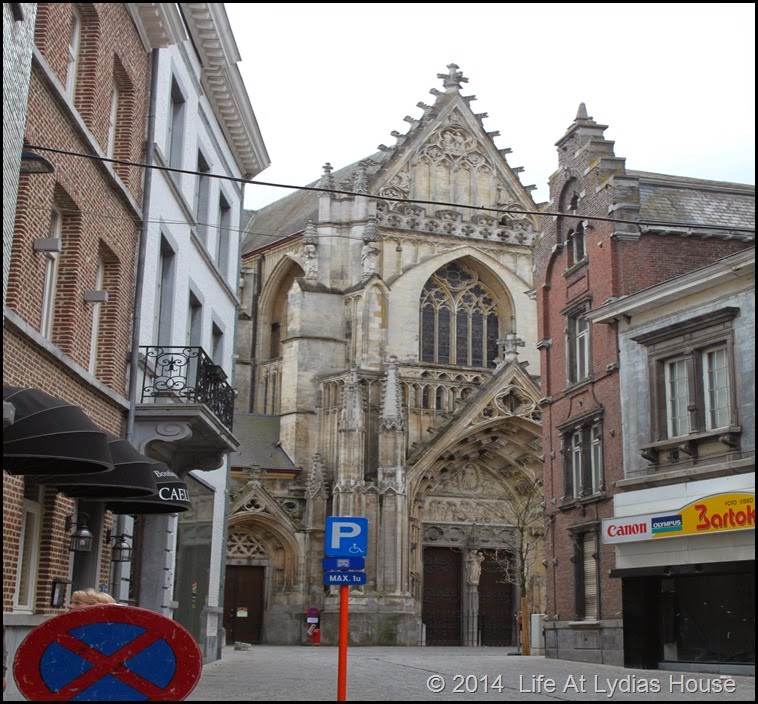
column 310, row 673
column 303, row 673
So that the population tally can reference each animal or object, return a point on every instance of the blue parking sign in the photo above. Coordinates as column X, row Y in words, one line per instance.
column 346, row 536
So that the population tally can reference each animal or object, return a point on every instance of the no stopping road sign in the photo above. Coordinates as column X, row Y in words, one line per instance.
column 108, row 653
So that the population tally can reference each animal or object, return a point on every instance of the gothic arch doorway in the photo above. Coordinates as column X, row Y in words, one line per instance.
column 456, row 611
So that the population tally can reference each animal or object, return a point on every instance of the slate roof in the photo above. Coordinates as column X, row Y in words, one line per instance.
column 290, row 214
column 259, row 442
column 677, row 199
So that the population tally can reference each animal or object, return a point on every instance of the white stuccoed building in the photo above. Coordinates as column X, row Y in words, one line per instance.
column 203, row 141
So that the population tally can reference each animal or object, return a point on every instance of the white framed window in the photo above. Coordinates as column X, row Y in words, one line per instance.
column 693, row 389
column 74, row 47
column 576, row 249
column 717, row 392
column 203, row 187
column 176, row 117
column 578, row 345
column 583, row 458
column 596, row 457
column 576, row 463
column 26, row 578
column 677, row 395
column 96, row 317
column 51, row 276
column 110, row 150
column 224, row 236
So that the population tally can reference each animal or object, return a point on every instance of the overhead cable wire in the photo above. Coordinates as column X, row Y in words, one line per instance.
column 394, row 199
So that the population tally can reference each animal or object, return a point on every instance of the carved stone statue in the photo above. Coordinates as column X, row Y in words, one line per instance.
column 310, row 261
column 369, row 254
column 474, row 566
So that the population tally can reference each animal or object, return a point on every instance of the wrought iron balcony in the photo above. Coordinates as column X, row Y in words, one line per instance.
column 188, row 375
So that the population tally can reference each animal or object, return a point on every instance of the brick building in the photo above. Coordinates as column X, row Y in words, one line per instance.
column 619, row 232
column 67, row 323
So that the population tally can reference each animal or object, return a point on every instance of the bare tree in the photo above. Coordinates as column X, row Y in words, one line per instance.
column 520, row 562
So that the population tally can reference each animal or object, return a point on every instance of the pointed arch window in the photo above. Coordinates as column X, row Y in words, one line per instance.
column 459, row 319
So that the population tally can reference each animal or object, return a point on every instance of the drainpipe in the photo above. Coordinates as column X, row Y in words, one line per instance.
column 139, row 282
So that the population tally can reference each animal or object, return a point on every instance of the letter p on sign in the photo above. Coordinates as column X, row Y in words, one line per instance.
column 346, row 536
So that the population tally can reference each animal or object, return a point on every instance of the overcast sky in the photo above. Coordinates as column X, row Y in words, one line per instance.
column 675, row 83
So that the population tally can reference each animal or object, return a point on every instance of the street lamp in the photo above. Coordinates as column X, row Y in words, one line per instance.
column 33, row 163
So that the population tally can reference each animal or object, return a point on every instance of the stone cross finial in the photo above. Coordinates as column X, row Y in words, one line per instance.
column 327, row 180
column 360, row 184
column 453, row 78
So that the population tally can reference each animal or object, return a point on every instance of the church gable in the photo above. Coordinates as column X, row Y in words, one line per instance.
column 447, row 157
column 253, row 499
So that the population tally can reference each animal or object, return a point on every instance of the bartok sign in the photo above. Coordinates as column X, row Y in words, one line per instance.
column 719, row 513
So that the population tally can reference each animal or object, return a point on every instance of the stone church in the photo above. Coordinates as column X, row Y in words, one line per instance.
column 387, row 368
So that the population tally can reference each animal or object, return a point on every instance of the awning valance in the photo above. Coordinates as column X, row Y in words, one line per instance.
column 51, row 436
column 171, row 495
column 132, row 476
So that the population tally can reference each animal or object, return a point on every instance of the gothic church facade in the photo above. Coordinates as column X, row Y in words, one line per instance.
column 387, row 367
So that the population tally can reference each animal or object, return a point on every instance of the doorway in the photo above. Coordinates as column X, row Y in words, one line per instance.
column 495, row 602
column 443, row 599
column 441, row 608
column 243, row 604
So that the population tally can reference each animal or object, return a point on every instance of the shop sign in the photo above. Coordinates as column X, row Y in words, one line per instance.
column 719, row 513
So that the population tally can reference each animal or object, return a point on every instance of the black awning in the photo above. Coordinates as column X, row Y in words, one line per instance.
column 51, row 436
column 132, row 476
column 171, row 495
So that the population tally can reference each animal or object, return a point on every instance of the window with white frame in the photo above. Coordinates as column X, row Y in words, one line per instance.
column 74, row 47
column 176, row 126
column 582, row 442
column 31, row 520
column 96, row 317
column 224, row 236
column 164, row 294
column 203, row 186
column 576, row 249
column 52, row 261
column 578, row 344
column 692, row 384
column 110, row 150
column 195, row 326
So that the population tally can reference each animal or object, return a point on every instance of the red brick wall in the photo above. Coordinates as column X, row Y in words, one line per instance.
column 615, row 267
column 100, row 220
